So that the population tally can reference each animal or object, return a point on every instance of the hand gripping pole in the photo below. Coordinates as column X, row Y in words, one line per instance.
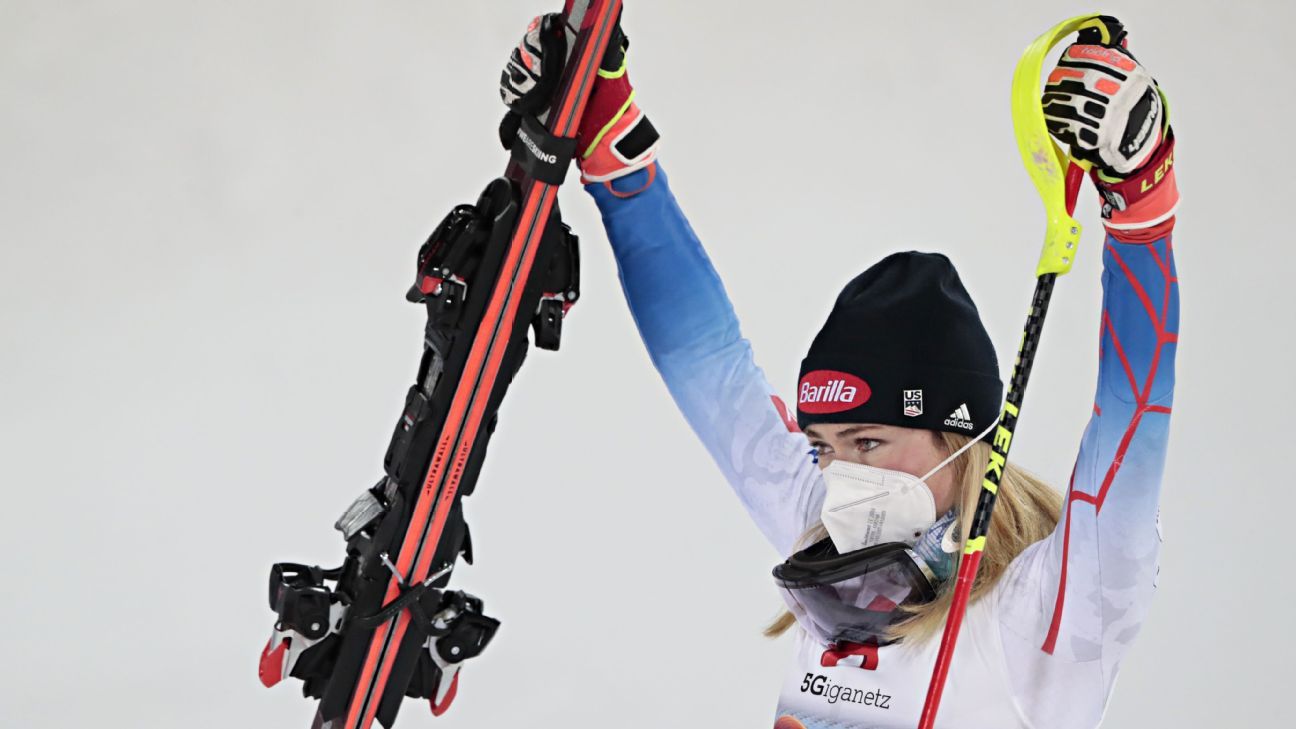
column 1057, row 177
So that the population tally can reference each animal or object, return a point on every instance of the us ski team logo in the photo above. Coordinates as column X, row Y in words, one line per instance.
column 961, row 418
column 912, row 403
column 829, row 391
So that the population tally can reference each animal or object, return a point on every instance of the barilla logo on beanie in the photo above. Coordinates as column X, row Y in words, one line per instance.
column 830, row 391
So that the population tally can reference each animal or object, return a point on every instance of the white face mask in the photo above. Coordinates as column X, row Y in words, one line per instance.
column 866, row 505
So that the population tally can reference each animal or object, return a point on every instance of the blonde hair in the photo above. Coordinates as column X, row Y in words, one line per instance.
column 1026, row 511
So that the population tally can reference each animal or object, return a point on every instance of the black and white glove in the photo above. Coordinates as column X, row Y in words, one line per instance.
column 1103, row 103
column 534, row 68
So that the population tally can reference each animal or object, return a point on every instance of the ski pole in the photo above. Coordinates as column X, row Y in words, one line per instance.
column 1057, row 177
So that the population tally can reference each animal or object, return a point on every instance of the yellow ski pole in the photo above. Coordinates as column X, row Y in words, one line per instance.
column 1057, row 177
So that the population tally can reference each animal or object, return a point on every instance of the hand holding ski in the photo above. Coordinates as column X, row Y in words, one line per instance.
column 382, row 626
column 614, row 139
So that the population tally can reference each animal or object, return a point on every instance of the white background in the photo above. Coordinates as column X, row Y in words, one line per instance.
column 209, row 213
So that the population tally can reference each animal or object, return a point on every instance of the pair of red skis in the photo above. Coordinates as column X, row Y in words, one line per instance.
column 386, row 629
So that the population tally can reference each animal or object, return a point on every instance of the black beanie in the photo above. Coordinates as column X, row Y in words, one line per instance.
column 903, row 345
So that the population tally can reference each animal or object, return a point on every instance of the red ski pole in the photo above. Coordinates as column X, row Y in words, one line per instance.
column 1045, row 162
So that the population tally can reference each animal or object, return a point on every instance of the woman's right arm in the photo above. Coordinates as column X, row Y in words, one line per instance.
column 692, row 335
column 675, row 295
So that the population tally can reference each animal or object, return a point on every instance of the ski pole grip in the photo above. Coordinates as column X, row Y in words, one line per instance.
column 1045, row 161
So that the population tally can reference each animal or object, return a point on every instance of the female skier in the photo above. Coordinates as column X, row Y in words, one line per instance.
column 866, row 491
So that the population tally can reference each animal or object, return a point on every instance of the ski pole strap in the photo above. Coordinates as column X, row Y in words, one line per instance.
column 542, row 155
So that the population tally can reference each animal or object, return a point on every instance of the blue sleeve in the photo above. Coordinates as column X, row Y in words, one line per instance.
column 692, row 335
column 1079, row 597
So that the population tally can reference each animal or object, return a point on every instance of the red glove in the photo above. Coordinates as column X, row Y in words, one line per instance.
column 1104, row 104
column 615, row 138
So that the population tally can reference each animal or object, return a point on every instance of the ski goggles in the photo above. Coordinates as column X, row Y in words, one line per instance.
column 853, row 597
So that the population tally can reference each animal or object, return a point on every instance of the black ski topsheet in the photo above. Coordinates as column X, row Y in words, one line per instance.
column 488, row 272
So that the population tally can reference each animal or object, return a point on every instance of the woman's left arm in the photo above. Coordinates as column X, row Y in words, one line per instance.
column 1071, row 605
column 1093, row 578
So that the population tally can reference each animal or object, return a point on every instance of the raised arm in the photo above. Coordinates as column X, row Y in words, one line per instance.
column 693, row 338
column 1110, row 514
column 1082, row 594
column 675, row 295
column 1072, row 604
